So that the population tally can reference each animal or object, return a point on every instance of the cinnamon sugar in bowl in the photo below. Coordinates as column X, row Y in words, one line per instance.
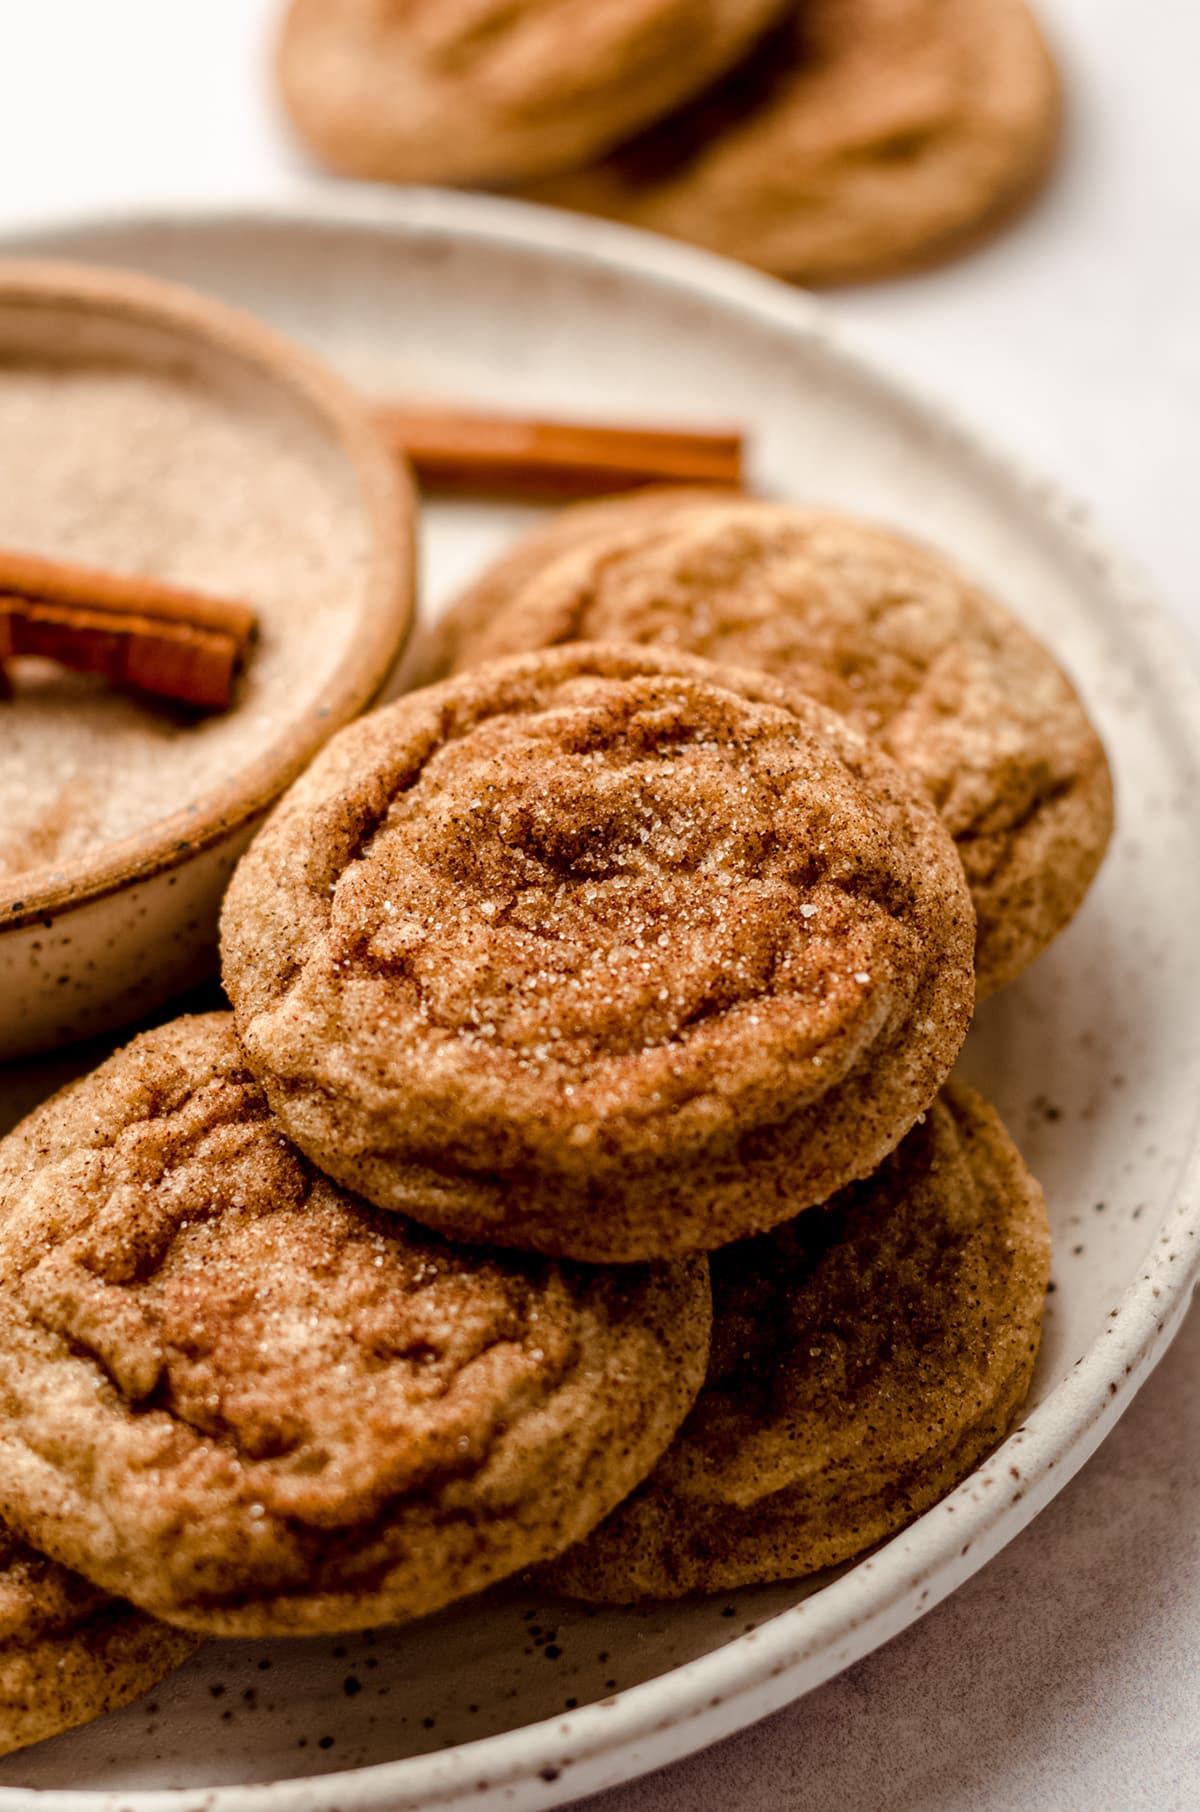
column 145, row 430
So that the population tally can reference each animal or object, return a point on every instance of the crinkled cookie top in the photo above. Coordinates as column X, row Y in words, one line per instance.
column 237, row 1395
column 880, row 630
column 587, row 910
column 864, row 1357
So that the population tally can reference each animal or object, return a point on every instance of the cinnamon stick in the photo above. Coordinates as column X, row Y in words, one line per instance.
column 135, row 631
column 459, row 450
column 126, row 594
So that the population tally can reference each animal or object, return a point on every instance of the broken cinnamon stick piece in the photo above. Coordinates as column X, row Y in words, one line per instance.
column 193, row 666
column 457, row 450
column 135, row 631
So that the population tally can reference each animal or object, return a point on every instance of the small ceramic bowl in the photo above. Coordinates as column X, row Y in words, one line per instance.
column 144, row 428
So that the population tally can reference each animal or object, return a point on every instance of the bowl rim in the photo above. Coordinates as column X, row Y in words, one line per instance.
column 647, row 1726
column 386, row 613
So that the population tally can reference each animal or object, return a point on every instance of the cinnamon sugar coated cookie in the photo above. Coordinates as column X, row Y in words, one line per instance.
column 879, row 629
column 862, row 138
column 488, row 91
column 68, row 1653
column 600, row 952
column 865, row 1357
column 236, row 1395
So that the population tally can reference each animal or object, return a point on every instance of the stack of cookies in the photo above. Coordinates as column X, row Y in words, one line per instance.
column 578, row 1181
column 826, row 140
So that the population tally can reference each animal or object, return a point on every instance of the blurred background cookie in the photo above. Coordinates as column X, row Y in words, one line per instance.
column 865, row 1357
column 861, row 138
column 880, row 630
column 241, row 1398
column 487, row 92
column 69, row 1653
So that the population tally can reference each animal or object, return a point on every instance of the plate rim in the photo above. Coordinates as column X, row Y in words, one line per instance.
column 684, row 1710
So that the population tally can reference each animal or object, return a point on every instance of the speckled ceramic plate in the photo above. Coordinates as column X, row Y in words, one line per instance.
column 520, row 1701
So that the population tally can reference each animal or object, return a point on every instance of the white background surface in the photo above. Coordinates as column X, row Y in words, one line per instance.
column 1067, row 1675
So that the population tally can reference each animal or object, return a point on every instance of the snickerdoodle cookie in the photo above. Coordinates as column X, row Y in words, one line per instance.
column 69, row 1653
column 863, row 137
column 882, row 631
column 497, row 91
column 600, row 952
column 865, row 1356
column 236, row 1395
